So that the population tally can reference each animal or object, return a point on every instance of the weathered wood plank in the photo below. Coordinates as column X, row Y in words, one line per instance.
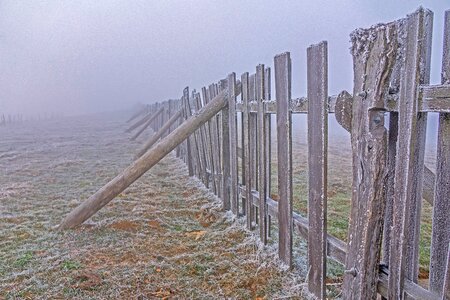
column 253, row 142
column 415, row 212
column 409, row 160
column 261, row 150
column 189, row 155
column 317, row 85
column 440, row 239
column 215, row 145
column 373, row 53
column 226, row 155
column 203, row 144
column 247, row 150
column 283, row 77
column 408, row 175
column 232, row 119
column 268, row 140
column 210, row 146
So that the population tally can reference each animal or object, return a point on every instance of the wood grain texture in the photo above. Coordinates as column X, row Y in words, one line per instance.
column 268, row 140
column 317, row 89
column 189, row 152
column 261, row 154
column 246, row 146
column 409, row 146
column 232, row 119
column 253, row 142
column 283, row 79
column 226, row 158
column 373, row 53
column 440, row 239
column 209, row 145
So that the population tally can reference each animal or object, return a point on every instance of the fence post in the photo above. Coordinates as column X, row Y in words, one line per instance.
column 226, row 161
column 247, row 150
column 403, row 257
column 441, row 208
column 268, row 142
column 373, row 53
column 261, row 148
column 232, row 119
column 317, row 78
column 282, row 64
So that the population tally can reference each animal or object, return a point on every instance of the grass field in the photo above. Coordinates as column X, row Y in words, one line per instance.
column 164, row 237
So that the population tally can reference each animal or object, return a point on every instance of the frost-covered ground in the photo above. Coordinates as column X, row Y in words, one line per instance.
column 165, row 236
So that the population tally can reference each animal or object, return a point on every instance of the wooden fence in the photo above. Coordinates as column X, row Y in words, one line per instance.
column 391, row 77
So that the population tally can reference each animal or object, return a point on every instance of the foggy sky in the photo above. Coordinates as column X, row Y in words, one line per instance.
column 87, row 56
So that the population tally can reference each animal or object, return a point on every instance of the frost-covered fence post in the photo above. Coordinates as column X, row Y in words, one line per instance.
column 415, row 36
column 232, row 121
column 261, row 154
column 373, row 53
column 282, row 64
column 317, row 78
column 439, row 276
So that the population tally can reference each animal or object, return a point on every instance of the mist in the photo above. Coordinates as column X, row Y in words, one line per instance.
column 78, row 57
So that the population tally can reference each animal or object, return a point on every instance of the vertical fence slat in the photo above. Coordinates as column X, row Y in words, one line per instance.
column 253, row 158
column 200, row 140
column 190, row 162
column 261, row 148
column 215, row 145
column 226, row 161
column 268, row 141
column 282, row 64
column 209, row 142
column 413, row 233
column 232, row 119
column 317, row 78
column 246, row 146
column 411, row 124
column 441, row 208
column 373, row 53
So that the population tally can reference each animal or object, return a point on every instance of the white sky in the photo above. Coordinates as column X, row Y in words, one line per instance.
column 85, row 56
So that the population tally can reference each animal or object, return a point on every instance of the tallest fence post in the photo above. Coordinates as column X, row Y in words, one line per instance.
column 374, row 52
